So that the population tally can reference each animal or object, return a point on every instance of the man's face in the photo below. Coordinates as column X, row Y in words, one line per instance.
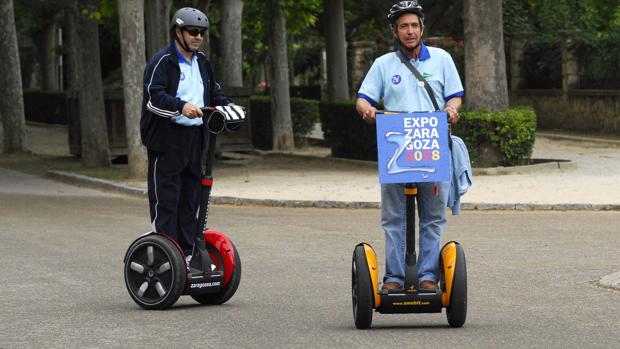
column 408, row 30
column 193, row 36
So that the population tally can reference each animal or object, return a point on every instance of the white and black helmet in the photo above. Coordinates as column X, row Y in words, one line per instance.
column 405, row 7
column 189, row 17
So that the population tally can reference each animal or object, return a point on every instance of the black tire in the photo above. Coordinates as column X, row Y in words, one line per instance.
column 362, row 292
column 457, row 309
column 154, row 272
column 229, row 289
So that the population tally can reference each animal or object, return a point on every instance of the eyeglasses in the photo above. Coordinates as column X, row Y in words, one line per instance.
column 196, row 32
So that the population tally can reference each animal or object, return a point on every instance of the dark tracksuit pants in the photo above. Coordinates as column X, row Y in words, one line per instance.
column 174, row 185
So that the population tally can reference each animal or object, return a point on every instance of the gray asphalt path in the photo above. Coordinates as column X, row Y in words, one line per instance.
column 531, row 279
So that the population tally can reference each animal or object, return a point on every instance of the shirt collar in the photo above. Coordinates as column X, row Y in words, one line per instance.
column 181, row 57
column 424, row 53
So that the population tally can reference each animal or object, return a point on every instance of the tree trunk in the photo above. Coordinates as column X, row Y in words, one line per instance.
column 485, row 61
column 131, row 21
column 157, row 17
column 71, row 49
column 231, row 67
column 94, row 133
column 48, row 55
column 337, row 81
column 205, row 6
column 12, row 101
column 279, row 84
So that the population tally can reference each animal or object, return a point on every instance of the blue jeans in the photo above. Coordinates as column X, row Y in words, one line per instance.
column 432, row 213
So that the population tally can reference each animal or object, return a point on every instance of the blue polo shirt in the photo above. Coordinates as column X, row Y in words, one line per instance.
column 190, row 88
column 390, row 80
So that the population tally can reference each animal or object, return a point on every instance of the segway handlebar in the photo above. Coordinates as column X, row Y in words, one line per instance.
column 223, row 119
column 218, row 120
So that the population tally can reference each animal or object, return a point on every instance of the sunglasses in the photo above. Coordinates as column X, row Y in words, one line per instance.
column 196, row 32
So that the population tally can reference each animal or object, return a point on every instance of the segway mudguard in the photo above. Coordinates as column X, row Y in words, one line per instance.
column 371, row 259
column 152, row 233
column 448, row 264
column 454, row 270
column 223, row 244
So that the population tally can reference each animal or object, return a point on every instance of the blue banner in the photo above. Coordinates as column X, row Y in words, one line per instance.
column 413, row 147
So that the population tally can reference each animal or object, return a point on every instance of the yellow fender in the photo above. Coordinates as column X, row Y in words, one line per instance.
column 448, row 259
column 371, row 259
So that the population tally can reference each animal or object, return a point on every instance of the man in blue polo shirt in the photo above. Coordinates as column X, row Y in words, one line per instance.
column 178, row 82
column 390, row 80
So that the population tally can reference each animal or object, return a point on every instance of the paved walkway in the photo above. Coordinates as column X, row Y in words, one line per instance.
column 588, row 178
column 585, row 174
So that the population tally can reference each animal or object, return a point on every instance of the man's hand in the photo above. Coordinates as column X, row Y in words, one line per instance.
column 191, row 111
column 369, row 115
column 453, row 114
column 366, row 110
column 452, row 108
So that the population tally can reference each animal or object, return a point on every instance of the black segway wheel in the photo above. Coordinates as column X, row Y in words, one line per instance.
column 228, row 290
column 362, row 290
column 457, row 309
column 154, row 272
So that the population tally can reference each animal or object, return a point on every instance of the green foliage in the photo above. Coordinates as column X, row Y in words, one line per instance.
column 515, row 17
column 28, row 20
column 443, row 18
column 511, row 132
column 300, row 16
column 304, row 113
column 101, row 12
column 348, row 135
column 593, row 27
column 599, row 71
column 543, row 65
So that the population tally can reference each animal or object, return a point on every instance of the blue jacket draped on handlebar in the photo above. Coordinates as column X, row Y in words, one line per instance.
column 461, row 174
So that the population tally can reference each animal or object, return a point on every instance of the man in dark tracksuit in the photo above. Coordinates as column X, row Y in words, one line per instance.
column 178, row 81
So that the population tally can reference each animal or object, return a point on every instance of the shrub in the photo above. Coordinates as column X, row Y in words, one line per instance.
column 509, row 133
column 348, row 135
column 45, row 106
column 304, row 113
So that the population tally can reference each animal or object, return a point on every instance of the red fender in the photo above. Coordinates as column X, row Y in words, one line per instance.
column 224, row 246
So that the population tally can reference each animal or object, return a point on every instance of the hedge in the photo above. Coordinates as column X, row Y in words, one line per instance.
column 304, row 114
column 45, row 106
column 509, row 134
column 347, row 134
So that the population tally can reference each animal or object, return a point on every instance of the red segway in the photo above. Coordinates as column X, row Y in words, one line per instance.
column 156, row 272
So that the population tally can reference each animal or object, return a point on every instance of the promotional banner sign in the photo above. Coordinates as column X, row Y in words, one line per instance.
column 413, row 147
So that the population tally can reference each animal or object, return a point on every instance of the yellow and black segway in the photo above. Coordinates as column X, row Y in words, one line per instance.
column 452, row 293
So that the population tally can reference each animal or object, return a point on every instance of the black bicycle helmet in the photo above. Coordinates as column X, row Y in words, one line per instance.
column 187, row 17
column 405, row 7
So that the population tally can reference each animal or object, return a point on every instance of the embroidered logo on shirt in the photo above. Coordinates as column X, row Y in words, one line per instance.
column 182, row 76
column 396, row 79
column 427, row 75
